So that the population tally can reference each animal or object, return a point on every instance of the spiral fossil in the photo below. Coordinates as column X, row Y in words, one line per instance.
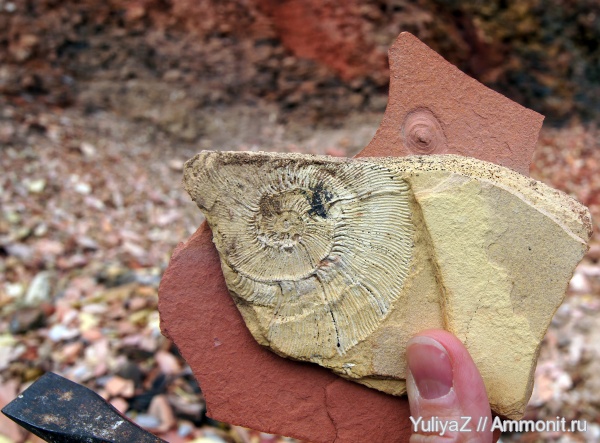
column 300, row 243
column 422, row 133
column 341, row 261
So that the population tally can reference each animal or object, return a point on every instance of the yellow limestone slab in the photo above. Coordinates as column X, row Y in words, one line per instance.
column 340, row 261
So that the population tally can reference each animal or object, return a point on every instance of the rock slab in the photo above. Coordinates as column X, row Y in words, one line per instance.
column 340, row 261
column 434, row 108
column 246, row 384
column 349, row 411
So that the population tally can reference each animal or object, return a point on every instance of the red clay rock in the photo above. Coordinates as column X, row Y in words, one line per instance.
column 444, row 111
column 247, row 385
column 318, row 30
column 434, row 108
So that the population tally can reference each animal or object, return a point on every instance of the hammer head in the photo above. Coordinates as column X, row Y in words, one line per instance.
column 59, row 410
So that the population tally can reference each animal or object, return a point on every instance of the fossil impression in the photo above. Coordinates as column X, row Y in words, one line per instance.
column 340, row 261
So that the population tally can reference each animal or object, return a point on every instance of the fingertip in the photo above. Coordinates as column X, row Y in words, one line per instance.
column 430, row 366
column 467, row 379
column 443, row 380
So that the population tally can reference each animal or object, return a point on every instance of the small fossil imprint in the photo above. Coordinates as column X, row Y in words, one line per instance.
column 340, row 261
column 422, row 133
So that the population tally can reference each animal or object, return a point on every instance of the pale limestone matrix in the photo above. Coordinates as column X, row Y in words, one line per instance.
column 340, row 261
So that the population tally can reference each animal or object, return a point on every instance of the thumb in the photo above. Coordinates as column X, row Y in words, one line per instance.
column 448, row 400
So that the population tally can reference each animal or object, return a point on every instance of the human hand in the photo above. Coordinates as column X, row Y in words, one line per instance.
column 445, row 389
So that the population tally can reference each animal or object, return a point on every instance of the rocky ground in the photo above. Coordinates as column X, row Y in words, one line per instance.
column 92, row 207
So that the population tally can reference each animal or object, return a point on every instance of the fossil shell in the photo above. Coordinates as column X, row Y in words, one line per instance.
column 339, row 261
column 319, row 245
column 422, row 133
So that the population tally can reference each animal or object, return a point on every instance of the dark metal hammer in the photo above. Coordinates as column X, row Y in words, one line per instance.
column 61, row 411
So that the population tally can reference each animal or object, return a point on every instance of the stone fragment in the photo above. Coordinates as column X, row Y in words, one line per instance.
column 434, row 108
column 39, row 290
column 118, row 386
column 194, row 302
column 244, row 383
column 339, row 262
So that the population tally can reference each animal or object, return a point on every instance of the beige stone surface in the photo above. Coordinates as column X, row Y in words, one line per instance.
column 340, row 261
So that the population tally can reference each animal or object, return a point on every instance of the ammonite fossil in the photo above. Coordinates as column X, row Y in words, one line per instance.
column 319, row 245
column 340, row 261
column 422, row 133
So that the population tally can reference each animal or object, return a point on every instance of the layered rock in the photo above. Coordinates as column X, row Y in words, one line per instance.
column 340, row 262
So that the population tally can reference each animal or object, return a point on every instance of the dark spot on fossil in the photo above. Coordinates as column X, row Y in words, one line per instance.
column 318, row 199
column 269, row 206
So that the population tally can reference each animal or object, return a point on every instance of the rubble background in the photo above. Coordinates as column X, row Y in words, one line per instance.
column 102, row 102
